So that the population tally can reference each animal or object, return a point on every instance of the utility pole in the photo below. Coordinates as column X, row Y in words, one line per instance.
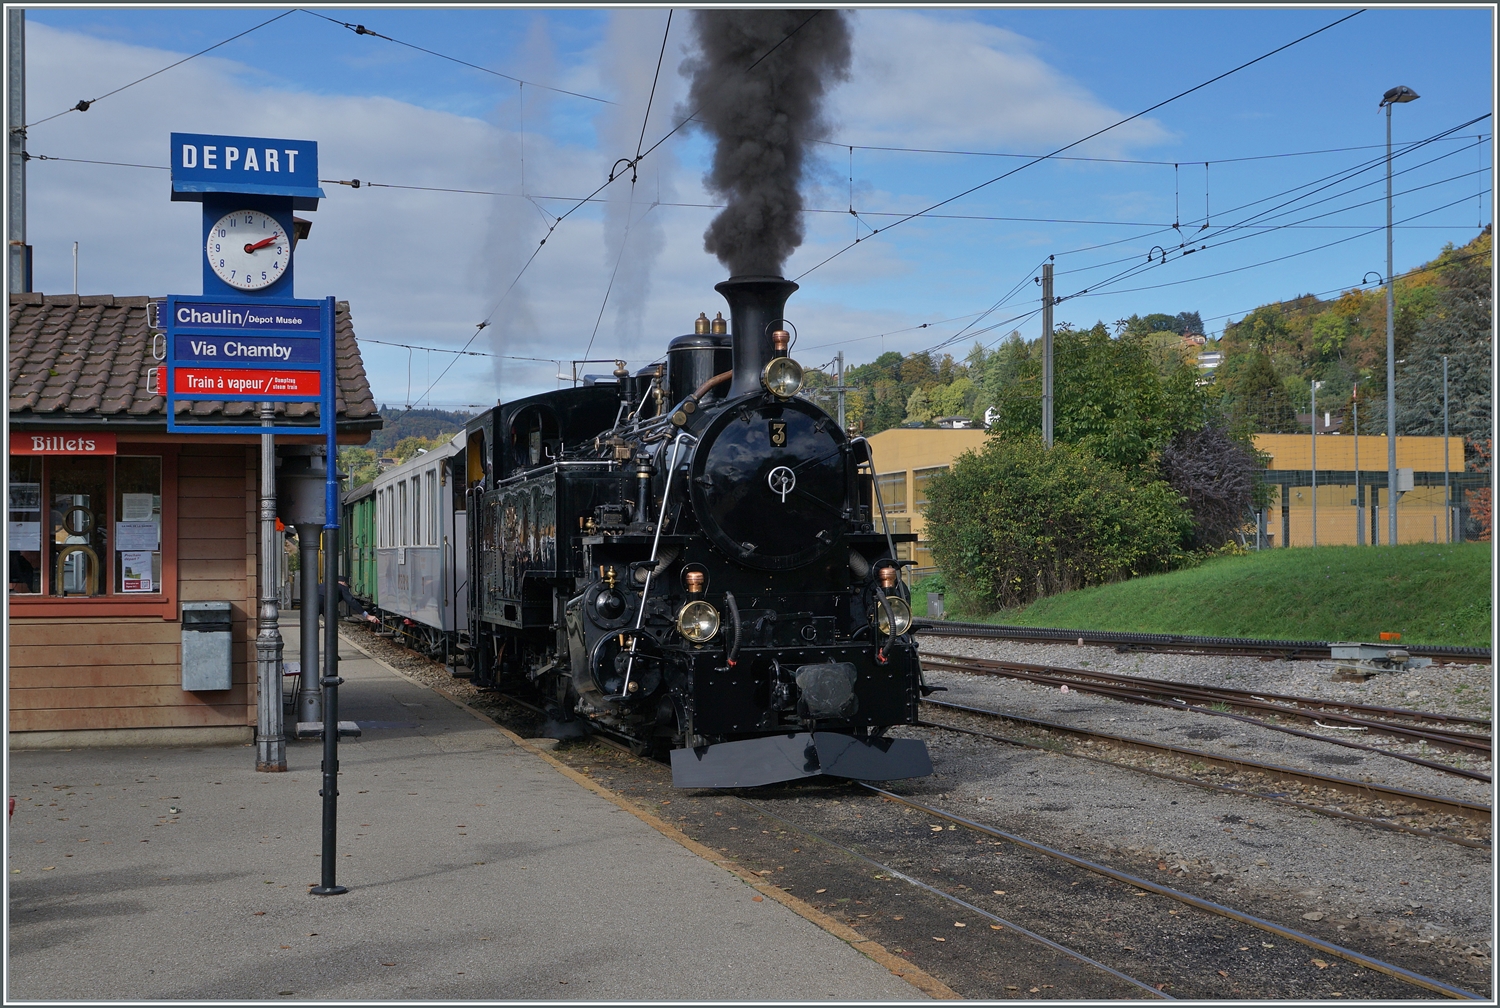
column 840, row 359
column 18, row 258
column 1047, row 353
column 270, row 734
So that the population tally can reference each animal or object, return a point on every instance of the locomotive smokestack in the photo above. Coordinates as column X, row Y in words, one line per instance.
column 757, row 305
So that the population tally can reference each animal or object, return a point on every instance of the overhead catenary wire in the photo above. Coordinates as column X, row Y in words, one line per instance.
column 625, row 238
column 360, row 29
column 604, row 185
column 85, row 105
column 1082, row 140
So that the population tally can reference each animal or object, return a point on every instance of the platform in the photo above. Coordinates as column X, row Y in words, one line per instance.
column 475, row 869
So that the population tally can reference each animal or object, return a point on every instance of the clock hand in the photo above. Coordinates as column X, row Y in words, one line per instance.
column 262, row 243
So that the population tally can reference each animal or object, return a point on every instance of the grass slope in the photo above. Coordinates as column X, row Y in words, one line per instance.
column 1429, row 594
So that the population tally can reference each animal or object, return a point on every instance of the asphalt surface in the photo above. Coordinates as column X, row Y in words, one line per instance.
column 475, row 869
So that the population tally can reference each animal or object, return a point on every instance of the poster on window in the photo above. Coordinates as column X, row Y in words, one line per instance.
column 25, row 535
column 137, row 535
column 135, row 571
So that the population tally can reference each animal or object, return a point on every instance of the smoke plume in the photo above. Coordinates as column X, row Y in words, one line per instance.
column 762, row 120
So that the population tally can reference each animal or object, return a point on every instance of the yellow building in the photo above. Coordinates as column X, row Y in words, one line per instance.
column 905, row 459
column 1352, row 511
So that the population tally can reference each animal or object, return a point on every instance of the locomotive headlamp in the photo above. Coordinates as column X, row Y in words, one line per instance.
column 782, row 377
column 699, row 621
column 900, row 613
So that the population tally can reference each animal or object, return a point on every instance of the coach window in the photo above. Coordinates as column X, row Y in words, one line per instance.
column 24, row 569
column 401, row 494
column 892, row 488
column 416, row 509
column 432, row 507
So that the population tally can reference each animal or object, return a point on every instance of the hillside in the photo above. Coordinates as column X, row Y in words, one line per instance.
column 1429, row 594
column 400, row 424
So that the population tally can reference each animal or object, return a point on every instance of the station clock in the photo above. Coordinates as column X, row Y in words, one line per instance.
column 248, row 249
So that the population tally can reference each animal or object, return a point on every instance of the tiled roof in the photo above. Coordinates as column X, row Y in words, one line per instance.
column 75, row 358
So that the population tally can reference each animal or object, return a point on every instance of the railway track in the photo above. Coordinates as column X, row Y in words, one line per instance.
column 1180, row 643
column 1363, row 791
column 1217, row 701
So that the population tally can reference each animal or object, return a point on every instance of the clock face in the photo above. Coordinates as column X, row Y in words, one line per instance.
column 248, row 250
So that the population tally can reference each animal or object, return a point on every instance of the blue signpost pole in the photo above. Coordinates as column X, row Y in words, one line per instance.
column 328, row 885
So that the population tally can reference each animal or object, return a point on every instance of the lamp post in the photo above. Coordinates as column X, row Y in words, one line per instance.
column 1359, row 502
column 1314, row 470
column 1396, row 95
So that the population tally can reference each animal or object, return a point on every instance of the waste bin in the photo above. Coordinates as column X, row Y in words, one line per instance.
column 207, row 652
column 934, row 605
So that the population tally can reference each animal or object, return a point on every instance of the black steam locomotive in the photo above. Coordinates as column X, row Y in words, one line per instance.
column 689, row 556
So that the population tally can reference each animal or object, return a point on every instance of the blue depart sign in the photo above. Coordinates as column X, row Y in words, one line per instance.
column 209, row 316
column 246, row 349
column 209, row 163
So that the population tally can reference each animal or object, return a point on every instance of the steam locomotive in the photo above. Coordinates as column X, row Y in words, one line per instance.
column 692, row 556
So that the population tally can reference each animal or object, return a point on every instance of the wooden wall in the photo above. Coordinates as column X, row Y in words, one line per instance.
column 121, row 672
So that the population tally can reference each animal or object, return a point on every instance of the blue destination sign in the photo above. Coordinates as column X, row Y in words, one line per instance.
column 247, row 317
column 209, row 163
column 246, row 349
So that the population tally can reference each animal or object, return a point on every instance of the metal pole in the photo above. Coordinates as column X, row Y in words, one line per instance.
column 15, row 123
column 842, row 424
column 330, row 682
column 309, row 698
column 1447, row 498
column 270, row 741
column 1390, row 343
column 1314, row 419
column 75, row 269
column 1047, row 354
column 1359, row 501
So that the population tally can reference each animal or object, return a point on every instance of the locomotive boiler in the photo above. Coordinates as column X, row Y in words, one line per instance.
column 693, row 556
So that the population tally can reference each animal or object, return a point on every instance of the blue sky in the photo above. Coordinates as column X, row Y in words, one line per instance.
column 423, row 268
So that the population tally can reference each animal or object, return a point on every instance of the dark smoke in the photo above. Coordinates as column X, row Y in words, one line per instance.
column 762, row 120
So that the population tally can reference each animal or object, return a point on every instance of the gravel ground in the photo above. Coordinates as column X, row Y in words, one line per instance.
column 1440, row 688
column 1395, row 887
column 1436, row 688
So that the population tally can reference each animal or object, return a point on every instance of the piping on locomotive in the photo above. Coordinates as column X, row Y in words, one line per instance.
column 689, row 556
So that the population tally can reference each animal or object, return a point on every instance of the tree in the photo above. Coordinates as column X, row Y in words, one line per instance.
column 1215, row 473
column 919, row 406
column 1458, row 327
column 1256, row 401
column 1017, row 521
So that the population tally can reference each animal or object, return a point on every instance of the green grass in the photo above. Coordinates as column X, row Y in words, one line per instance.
column 1429, row 594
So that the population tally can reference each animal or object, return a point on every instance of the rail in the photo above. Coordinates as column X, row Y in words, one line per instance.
column 1182, row 642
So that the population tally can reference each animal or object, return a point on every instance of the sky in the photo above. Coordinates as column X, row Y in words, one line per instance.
column 954, row 88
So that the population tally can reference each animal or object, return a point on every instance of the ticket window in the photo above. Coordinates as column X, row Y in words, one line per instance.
column 24, row 565
column 85, row 527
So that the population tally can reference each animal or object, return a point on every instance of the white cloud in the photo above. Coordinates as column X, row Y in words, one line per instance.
column 925, row 80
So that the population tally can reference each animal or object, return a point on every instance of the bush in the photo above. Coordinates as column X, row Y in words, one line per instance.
column 1018, row 521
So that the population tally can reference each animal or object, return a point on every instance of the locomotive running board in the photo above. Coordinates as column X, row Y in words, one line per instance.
column 753, row 762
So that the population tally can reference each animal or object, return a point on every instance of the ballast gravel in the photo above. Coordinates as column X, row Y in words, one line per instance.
column 1344, row 881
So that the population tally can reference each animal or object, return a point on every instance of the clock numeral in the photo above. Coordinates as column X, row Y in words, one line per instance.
column 221, row 264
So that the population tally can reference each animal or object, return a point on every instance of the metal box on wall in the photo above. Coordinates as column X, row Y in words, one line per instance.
column 207, row 650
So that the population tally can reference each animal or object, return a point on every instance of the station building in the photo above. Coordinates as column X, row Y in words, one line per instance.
column 115, row 523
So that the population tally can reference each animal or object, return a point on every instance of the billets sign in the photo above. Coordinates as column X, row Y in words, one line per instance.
column 221, row 350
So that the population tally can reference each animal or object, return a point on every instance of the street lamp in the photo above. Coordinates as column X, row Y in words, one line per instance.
column 1447, row 491
column 1395, row 96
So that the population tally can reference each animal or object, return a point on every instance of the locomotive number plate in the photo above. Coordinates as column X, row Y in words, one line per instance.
column 778, row 433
